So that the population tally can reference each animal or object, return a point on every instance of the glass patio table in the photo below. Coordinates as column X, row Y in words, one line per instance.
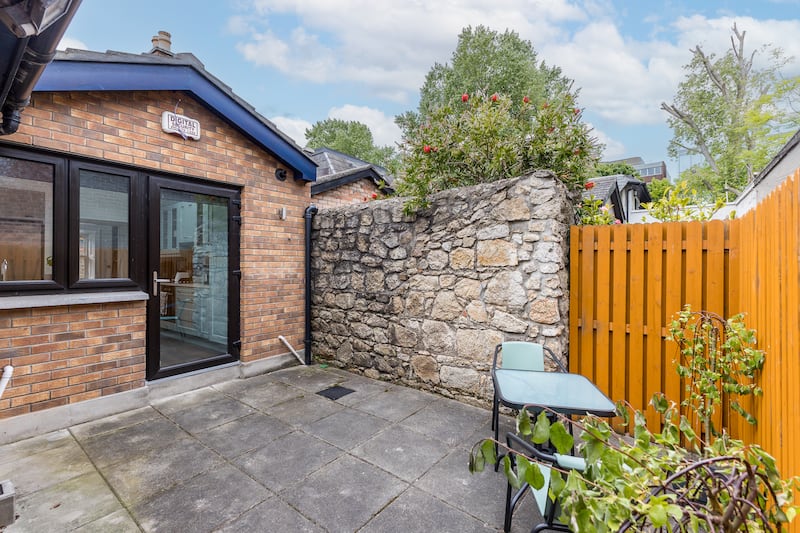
column 568, row 394
column 565, row 393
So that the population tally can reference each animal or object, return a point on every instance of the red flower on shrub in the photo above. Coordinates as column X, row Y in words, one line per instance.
column 588, row 185
column 525, row 100
column 494, row 97
column 426, row 149
column 374, row 196
column 464, row 97
column 576, row 111
column 545, row 105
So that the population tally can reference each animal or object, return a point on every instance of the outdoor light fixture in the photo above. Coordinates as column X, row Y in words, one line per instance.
column 280, row 174
column 26, row 18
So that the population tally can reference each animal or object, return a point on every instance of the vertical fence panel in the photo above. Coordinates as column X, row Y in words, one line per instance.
column 674, row 281
column 635, row 325
column 654, row 368
column 619, row 312
column 602, row 361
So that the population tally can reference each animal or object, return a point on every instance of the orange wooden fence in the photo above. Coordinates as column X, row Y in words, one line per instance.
column 628, row 281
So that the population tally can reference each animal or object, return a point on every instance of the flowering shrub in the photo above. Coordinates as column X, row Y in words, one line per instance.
column 681, row 203
column 593, row 211
column 485, row 138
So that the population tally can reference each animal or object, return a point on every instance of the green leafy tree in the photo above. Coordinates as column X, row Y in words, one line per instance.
column 717, row 357
column 486, row 138
column 733, row 114
column 658, row 188
column 349, row 137
column 617, row 167
column 486, row 61
column 681, row 202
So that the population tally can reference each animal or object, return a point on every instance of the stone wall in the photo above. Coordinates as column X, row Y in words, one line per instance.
column 424, row 299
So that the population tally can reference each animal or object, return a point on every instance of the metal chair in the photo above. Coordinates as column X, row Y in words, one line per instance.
column 548, row 508
column 518, row 355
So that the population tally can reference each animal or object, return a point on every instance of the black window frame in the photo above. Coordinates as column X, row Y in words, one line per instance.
column 66, row 228
column 74, row 222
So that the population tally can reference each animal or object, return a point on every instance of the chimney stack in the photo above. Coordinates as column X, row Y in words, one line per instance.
column 162, row 44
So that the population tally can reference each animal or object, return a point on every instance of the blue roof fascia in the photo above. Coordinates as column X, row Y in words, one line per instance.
column 60, row 76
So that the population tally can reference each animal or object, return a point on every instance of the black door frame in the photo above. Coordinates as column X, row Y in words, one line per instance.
column 233, row 194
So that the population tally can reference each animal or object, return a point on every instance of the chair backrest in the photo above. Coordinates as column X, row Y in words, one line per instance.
column 520, row 355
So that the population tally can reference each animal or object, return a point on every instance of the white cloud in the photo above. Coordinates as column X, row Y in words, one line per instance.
column 385, row 45
column 613, row 149
column 69, row 42
column 293, row 127
column 384, row 131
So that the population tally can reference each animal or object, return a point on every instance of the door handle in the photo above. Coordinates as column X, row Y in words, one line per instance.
column 157, row 280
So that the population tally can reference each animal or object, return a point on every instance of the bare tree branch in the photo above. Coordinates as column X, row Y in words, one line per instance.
column 685, row 118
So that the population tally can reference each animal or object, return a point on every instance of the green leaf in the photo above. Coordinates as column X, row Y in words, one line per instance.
column 511, row 476
column 475, row 465
column 658, row 515
column 541, row 430
column 488, row 451
column 659, row 403
column 560, row 438
column 534, row 476
column 557, row 483
column 524, row 423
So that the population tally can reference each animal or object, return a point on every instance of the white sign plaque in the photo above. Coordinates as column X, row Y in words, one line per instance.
column 183, row 126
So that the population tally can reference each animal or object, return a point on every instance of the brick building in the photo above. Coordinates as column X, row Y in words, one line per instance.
column 152, row 225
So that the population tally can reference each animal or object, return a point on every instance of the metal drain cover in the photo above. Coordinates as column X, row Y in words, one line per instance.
column 335, row 392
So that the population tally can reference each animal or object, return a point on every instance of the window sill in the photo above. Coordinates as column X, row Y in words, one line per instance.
column 54, row 300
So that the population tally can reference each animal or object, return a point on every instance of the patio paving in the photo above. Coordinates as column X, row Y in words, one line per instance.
column 268, row 454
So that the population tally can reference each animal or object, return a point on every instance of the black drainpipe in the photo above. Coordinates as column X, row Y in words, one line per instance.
column 309, row 216
column 32, row 56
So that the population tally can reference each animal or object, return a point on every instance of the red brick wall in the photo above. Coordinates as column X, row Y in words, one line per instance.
column 352, row 193
column 125, row 127
column 68, row 354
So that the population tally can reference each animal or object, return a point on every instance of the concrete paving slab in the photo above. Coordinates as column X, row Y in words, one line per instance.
column 179, row 402
column 118, row 522
column 344, row 495
column 94, row 428
column 202, row 503
column 65, row 506
column 480, row 495
column 287, row 460
column 346, row 428
column 304, row 409
column 243, row 434
column 274, row 514
column 395, row 404
column 448, row 420
column 262, row 393
column 132, row 442
column 140, row 478
column 402, row 452
column 309, row 378
column 363, row 388
column 419, row 511
column 210, row 414
column 16, row 451
column 50, row 467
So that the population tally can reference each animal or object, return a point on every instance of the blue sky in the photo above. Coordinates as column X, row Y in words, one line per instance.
column 300, row 61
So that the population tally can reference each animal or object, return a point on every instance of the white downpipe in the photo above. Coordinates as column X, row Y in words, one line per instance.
column 283, row 339
column 7, row 371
